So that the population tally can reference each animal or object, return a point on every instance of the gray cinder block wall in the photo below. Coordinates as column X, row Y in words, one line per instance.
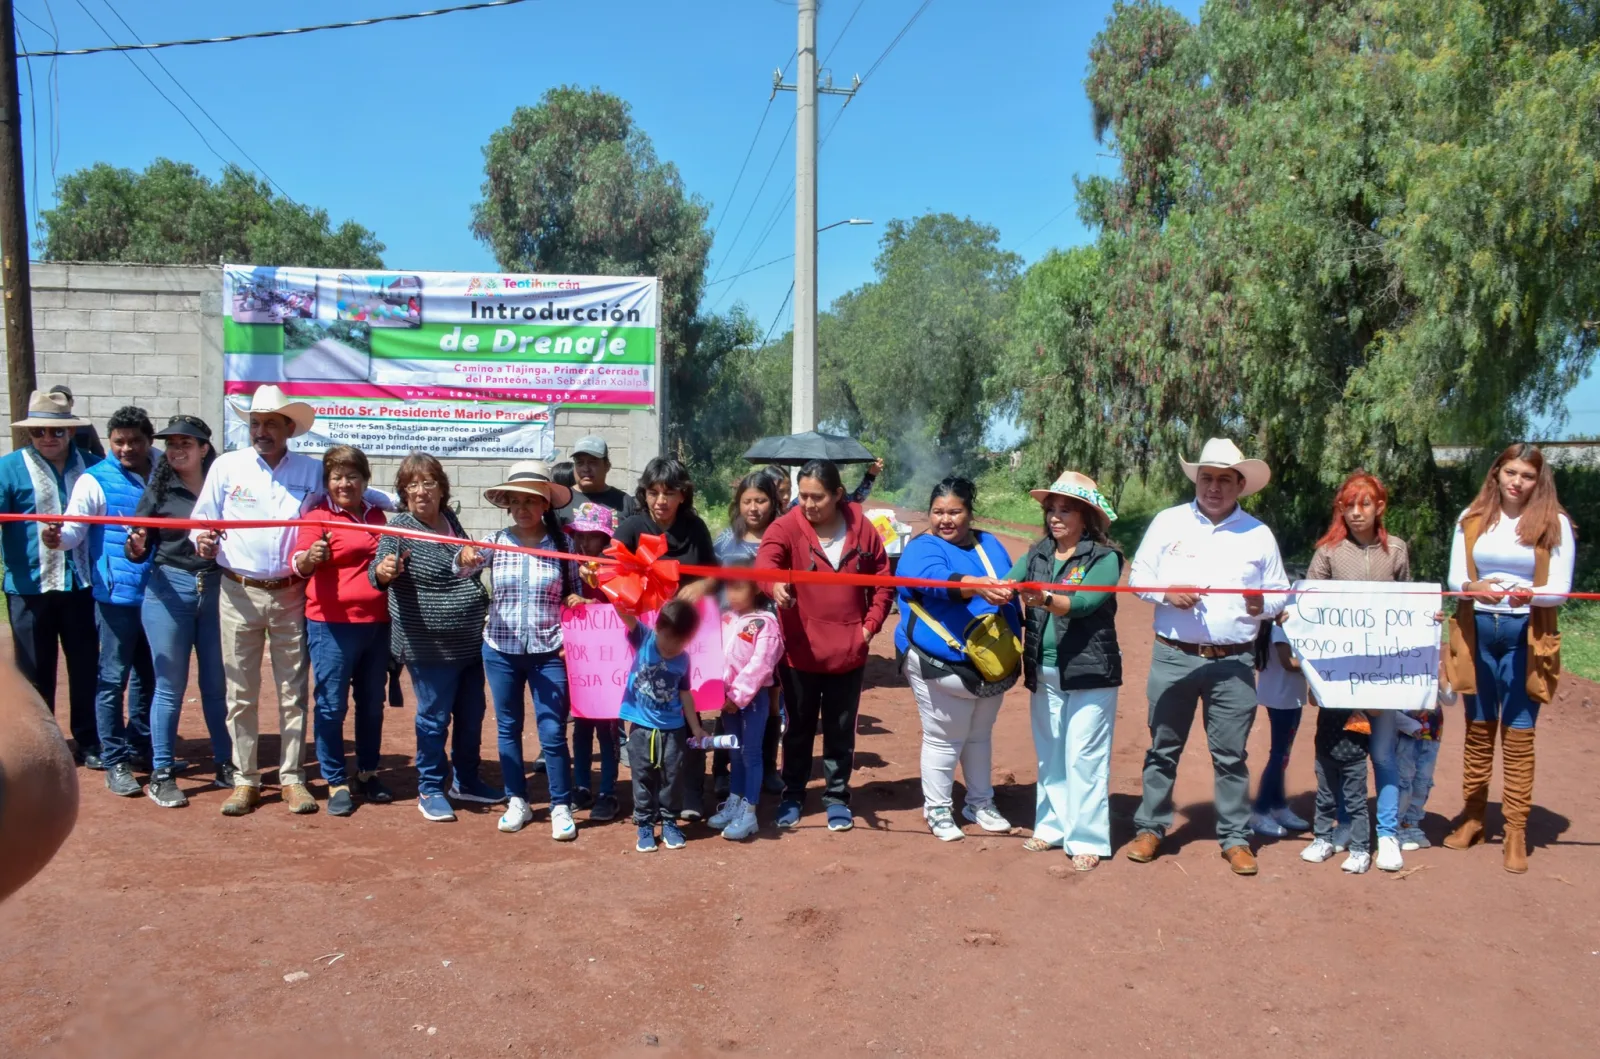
column 151, row 335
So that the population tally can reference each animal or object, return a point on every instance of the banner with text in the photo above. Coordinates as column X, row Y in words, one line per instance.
column 599, row 657
column 454, row 363
column 1367, row 645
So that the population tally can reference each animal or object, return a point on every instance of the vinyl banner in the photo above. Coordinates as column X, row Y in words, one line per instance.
column 458, row 364
column 1367, row 645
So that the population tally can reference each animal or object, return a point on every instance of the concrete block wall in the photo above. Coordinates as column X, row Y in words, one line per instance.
column 151, row 335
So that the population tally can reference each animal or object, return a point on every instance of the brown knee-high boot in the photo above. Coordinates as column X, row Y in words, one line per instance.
column 1516, row 798
column 1477, row 765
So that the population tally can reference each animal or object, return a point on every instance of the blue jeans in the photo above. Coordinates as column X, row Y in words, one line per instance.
column 545, row 675
column 1384, row 750
column 1270, row 792
column 124, row 666
column 447, row 692
column 744, row 764
column 180, row 616
column 1502, row 668
column 349, row 660
column 1417, row 758
column 584, row 734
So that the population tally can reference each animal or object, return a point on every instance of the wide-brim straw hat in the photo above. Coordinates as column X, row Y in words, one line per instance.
column 50, row 410
column 529, row 476
column 1080, row 487
column 269, row 398
column 1222, row 453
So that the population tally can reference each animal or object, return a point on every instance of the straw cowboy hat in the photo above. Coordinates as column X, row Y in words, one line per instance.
column 50, row 410
column 529, row 476
column 1220, row 452
column 1080, row 487
column 269, row 398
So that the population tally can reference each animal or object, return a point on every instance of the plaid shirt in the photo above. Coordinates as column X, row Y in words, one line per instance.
column 525, row 609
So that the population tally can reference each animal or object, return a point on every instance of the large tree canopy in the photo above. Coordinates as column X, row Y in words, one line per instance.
column 172, row 214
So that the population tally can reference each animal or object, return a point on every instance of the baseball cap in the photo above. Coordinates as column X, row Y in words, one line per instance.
column 593, row 518
column 592, row 445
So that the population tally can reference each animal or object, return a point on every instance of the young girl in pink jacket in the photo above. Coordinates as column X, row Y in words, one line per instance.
column 752, row 644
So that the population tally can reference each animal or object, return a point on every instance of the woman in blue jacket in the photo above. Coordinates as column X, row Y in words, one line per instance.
column 957, row 706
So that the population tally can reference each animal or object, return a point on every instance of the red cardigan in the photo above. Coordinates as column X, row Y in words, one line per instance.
column 822, row 631
column 338, row 590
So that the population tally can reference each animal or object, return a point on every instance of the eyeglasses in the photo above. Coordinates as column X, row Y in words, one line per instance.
column 48, row 432
column 422, row 485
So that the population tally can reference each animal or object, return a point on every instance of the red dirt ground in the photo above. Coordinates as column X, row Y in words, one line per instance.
column 156, row 932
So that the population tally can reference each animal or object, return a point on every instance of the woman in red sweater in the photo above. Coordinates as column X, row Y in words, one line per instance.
column 826, row 630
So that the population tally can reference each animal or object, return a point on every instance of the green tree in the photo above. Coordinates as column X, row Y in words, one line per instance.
column 172, row 214
column 573, row 185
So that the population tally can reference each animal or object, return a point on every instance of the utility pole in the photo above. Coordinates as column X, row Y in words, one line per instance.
column 803, row 407
column 14, row 232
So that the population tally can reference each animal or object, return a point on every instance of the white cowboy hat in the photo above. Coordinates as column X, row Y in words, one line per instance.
column 50, row 410
column 1080, row 487
column 269, row 398
column 529, row 476
column 1220, row 452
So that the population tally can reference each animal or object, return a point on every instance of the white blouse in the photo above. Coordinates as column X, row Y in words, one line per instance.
column 1502, row 557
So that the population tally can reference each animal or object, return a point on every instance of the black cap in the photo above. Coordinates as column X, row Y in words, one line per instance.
column 62, row 388
column 186, row 427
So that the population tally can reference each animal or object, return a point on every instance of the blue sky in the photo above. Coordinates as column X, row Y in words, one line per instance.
column 978, row 111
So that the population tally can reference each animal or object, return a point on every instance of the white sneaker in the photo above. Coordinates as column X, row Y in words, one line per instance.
column 726, row 813
column 744, row 825
column 1319, row 850
column 943, row 824
column 1289, row 820
column 1412, row 838
column 517, row 816
column 1389, row 858
column 986, row 817
column 562, row 827
column 1341, row 837
column 1357, row 863
column 1264, row 824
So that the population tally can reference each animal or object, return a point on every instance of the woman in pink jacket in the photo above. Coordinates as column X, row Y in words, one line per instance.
column 752, row 644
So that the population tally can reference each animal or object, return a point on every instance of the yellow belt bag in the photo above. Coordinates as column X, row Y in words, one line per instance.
column 987, row 641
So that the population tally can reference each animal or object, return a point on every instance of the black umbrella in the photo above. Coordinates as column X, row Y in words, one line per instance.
column 795, row 449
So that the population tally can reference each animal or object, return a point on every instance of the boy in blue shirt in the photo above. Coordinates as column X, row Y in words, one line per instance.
column 660, row 709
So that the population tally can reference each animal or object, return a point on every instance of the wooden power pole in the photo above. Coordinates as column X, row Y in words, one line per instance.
column 14, row 231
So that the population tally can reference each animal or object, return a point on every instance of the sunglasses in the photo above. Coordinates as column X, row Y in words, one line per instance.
column 48, row 432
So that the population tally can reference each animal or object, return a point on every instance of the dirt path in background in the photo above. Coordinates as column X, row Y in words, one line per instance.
column 156, row 932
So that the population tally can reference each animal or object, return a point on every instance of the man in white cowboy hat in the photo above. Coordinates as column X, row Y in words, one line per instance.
column 48, row 597
column 1205, row 642
column 263, row 603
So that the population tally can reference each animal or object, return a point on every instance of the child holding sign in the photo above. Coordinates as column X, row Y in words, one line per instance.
column 752, row 643
column 1418, row 753
column 657, row 703
column 590, row 530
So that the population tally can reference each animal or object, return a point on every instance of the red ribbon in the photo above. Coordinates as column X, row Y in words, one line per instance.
column 642, row 580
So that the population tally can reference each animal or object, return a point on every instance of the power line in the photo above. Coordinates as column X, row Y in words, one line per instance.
column 157, row 60
column 842, row 32
column 405, row 17
column 33, row 127
column 757, row 197
column 894, row 43
column 775, row 319
column 758, row 268
column 750, row 150
column 1045, row 225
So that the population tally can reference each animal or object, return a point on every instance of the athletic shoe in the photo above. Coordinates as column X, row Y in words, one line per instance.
column 435, row 806
column 943, row 824
column 744, row 825
column 1266, row 825
column 582, row 798
column 772, row 783
column 1412, row 838
column 121, row 781
column 473, row 789
column 224, row 776
column 605, row 808
column 517, row 816
column 1357, row 863
column 1289, row 820
column 242, row 801
column 163, row 790
column 1389, row 858
column 372, row 790
column 562, row 826
column 340, row 801
column 1341, row 837
column 647, row 839
column 788, row 814
column 694, row 800
column 986, row 817
column 840, row 818
column 671, row 835
column 726, row 813
column 1319, row 850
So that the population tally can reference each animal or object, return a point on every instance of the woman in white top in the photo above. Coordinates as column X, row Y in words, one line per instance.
column 1513, row 554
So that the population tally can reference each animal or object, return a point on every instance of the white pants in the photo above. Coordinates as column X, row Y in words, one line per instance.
column 1072, row 736
column 956, row 726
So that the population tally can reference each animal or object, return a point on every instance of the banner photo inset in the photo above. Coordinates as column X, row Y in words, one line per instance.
column 1367, row 645
column 459, row 364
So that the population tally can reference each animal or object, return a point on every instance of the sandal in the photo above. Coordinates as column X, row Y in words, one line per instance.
column 1085, row 862
column 1038, row 845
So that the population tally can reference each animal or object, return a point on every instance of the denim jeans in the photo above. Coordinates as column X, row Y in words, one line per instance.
column 124, row 666
column 1270, row 792
column 1383, row 749
column 584, row 734
column 1502, row 669
column 1342, row 798
column 349, row 660
column 744, row 764
column 1416, row 759
column 545, row 675
column 446, row 693
column 180, row 617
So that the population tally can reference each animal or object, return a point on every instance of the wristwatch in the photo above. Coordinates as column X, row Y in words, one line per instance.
column 1049, row 598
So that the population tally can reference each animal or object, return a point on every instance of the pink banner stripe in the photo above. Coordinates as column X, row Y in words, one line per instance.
column 539, row 394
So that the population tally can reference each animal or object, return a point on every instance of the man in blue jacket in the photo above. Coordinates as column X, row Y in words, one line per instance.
column 113, row 487
column 47, row 594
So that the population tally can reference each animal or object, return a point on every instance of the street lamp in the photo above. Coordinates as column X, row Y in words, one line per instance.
column 850, row 220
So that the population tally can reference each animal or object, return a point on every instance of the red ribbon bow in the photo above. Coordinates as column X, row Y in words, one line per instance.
column 639, row 581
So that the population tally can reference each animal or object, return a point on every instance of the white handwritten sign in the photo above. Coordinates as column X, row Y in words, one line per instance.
column 1366, row 645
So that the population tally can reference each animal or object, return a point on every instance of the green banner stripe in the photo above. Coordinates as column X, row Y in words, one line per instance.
column 251, row 338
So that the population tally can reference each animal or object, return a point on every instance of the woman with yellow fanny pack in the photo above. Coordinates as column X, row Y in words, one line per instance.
column 961, row 650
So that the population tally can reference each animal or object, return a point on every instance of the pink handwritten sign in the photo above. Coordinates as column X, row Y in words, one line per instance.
column 599, row 657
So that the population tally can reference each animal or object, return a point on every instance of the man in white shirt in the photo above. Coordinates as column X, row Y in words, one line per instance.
column 1205, row 642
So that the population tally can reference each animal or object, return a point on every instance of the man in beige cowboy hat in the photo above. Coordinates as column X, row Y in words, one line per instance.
column 48, row 597
column 1205, row 642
